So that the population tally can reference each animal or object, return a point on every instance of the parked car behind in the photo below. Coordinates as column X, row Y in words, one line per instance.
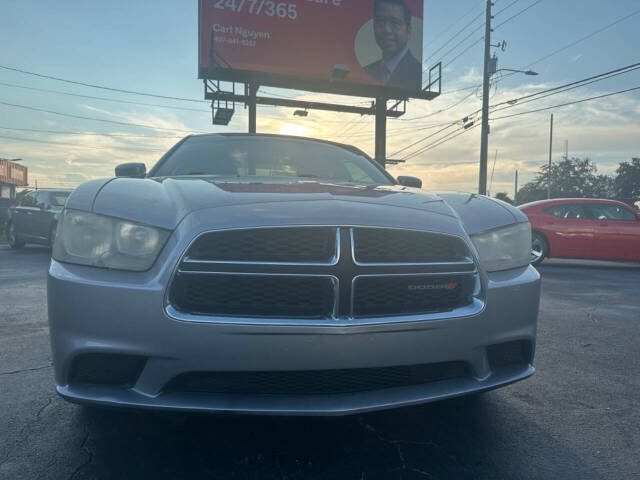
column 583, row 228
column 35, row 218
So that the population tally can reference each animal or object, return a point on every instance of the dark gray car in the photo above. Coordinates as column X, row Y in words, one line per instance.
column 35, row 218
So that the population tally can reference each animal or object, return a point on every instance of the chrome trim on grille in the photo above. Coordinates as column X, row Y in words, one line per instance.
column 333, row 261
column 338, row 318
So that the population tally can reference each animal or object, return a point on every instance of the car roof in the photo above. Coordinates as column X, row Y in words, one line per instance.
column 559, row 201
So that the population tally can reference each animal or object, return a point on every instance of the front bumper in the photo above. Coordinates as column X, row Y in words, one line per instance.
column 97, row 311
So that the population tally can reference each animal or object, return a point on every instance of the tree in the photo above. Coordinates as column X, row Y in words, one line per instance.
column 504, row 197
column 570, row 178
column 627, row 182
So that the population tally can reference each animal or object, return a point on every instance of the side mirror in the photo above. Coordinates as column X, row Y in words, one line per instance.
column 413, row 182
column 134, row 170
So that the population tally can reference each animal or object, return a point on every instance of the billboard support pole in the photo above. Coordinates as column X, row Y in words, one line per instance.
column 253, row 107
column 381, row 130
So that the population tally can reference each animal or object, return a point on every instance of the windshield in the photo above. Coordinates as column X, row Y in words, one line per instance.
column 58, row 199
column 245, row 156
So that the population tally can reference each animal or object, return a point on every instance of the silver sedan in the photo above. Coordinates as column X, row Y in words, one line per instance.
column 277, row 275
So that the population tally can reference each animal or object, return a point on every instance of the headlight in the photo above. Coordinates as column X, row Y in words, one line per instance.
column 99, row 241
column 504, row 248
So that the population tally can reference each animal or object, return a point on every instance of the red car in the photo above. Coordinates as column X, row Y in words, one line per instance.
column 583, row 228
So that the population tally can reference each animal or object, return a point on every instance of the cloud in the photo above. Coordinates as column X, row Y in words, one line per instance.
column 605, row 130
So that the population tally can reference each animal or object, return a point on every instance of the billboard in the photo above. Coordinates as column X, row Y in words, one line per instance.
column 12, row 173
column 353, row 47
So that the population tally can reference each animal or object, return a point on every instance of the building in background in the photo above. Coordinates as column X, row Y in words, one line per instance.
column 12, row 175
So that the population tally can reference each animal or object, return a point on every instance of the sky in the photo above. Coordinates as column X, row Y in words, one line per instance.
column 131, row 45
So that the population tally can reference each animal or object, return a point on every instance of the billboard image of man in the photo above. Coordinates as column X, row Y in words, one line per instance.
column 392, row 30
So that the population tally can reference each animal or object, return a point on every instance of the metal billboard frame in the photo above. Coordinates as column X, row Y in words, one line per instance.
column 223, row 101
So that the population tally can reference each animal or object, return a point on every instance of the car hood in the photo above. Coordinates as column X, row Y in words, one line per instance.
column 164, row 202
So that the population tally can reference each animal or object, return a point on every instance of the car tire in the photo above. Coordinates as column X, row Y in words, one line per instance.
column 539, row 248
column 12, row 237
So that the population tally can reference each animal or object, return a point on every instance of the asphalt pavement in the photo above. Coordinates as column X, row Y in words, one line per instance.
column 578, row 417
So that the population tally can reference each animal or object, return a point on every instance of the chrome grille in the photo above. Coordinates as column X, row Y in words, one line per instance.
column 323, row 273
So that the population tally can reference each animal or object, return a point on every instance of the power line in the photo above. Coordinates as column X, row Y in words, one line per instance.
column 546, row 57
column 453, row 38
column 518, row 14
column 104, row 98
column 431, row 147
column 572, row 85
column 507, row 7
column 566, row 87
column 479, row 27
column 350, row 128
column 582, row 39
column 401, row 131
column 25, row 107
column 440, row 141
column 555, row 91
column 479, row 15
column 567, row 104
column 423, row 139
column 120, row 90
column 458, row 90
column 93, row 147
column 101, row 87
column 465, row 51
column 442, row 32
column 64, row 132
column 469, row 47
column 572, row 44
column 441, row 110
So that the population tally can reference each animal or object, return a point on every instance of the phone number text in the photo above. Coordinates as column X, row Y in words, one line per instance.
column 260, row 7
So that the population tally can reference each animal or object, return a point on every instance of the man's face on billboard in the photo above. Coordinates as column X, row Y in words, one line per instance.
column 391, row 31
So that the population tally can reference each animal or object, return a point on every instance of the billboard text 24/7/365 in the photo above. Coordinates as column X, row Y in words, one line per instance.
column 368, row 43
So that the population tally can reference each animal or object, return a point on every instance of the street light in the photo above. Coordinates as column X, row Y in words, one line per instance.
column 526, row 72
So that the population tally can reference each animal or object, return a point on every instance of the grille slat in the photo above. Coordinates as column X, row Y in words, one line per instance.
column 254, row 295
column 315, row 382
column 271, row 245
column 410, row 294
column 294, row 273
column 379, row 246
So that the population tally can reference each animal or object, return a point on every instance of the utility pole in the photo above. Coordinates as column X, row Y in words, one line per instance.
column 484, row 146
column 550, row 154
column 381, row 131
column 515, row 194
column 253, row 107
